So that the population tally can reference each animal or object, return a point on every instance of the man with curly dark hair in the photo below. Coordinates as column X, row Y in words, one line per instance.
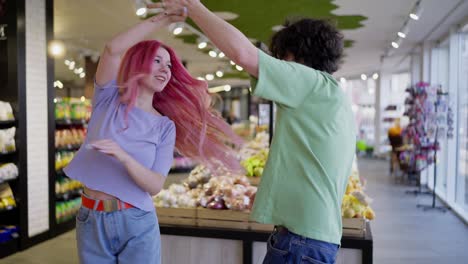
column 312, row 151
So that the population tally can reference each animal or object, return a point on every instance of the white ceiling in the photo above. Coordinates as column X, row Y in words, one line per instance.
column 89, row 23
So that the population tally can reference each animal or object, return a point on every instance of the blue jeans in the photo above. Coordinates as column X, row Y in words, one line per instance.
column 127, row 236
column 284, row 247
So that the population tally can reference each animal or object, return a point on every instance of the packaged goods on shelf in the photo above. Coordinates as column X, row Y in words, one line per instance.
column 65, row 211
column 72, row 109
column 69, row 137
column 6, row 112
column 62, row 159
column 7, row 200
column 8, row 171
column 66, row 185
column 7, row 140
column 8, row 232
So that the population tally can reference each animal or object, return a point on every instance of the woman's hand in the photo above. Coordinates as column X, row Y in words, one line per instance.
column 175, row 8
column 109, row 147
column 167, row 19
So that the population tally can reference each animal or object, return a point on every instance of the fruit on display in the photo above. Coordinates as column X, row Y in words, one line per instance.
column 8, row 171
column 254, row 165
column 68, row 138
column 7, row 140
column 72, row 108
column 356, row 204
column 6, row 112
column 62, row 159
column 254, row 155
column 203, row 189
column 65, row 211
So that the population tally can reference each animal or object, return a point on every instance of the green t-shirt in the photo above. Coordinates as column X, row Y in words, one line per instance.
column 311, row 155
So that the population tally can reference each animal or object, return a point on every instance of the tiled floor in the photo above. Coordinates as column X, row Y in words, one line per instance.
column 402, row 232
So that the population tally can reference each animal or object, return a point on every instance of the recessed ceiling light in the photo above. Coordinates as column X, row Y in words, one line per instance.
column 401, row 34
column 202, row 45
column 363, row 77
column 209, row 77
column 395, row 45
column 414, row 16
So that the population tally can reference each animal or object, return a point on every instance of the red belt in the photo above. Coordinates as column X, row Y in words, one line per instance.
column 104, row 205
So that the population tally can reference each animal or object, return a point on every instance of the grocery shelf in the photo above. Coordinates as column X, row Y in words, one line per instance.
column 181, row 170
column 7, row 124
column 70, row 122
column 70, row 148
column 8, row 248
column 8, row 209
column 70, row 195
column 8, row 180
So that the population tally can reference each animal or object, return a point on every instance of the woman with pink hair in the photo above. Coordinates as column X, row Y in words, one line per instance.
column 143, row 95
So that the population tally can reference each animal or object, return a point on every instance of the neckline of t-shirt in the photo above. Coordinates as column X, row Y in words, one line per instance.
column 148, row 113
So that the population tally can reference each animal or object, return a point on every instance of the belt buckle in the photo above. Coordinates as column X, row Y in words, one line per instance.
column 110, row 205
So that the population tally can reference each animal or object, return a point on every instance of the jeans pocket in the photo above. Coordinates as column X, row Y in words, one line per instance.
column 136, row 213
column 307, row 259
column 83, row 215
column 317, row 254
column 277, row 247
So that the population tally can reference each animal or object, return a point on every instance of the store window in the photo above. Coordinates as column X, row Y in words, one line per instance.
column 462, row 177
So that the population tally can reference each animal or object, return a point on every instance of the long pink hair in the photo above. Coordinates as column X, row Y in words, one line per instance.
column 201, row 133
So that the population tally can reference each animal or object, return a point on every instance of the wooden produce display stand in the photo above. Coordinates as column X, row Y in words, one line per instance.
column 227, row 236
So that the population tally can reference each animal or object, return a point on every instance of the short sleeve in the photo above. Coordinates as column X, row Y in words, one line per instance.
column 105, row 93
column 165, row 150
column 288, row 83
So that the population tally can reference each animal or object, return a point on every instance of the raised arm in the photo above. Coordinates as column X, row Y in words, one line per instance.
column 109, row 61
column 226, row 37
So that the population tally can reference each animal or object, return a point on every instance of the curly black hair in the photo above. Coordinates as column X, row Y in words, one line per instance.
column 313, row 42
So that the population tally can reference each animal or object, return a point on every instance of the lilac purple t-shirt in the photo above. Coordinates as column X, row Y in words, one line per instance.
column 149, row 139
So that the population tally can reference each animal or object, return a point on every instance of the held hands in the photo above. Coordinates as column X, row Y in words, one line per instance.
column 109, row 147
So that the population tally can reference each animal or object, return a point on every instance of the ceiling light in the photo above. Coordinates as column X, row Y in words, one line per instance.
column 219, row 74
column 56, row 48
column 77, row 71
column 202, row 45
column 67, row 62
column 213, row 54
column 82, row 99
column 178, row 28
column 239, row 68
column 363, row 77
column 401, row 34
column 227, row 88
column 414, row 16
column 200, row 78
column 221, row 55
column 232, row 63
column 82, row 75
column 395, row 45
column 209, row 77
column 375, row 76
column 141, row 11
column 343, row 80
column 55, row 100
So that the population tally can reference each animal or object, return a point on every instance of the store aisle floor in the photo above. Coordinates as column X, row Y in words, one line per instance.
column 402, row 233
column 406, row 234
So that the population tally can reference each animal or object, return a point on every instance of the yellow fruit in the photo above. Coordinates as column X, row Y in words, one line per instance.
column 348, row 213
column 369, row 213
